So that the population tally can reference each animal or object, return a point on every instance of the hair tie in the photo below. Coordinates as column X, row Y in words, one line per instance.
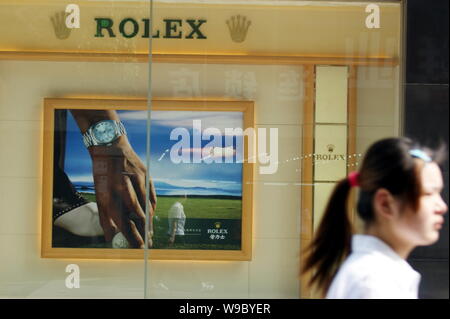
column 417, row 153
column 353, row 179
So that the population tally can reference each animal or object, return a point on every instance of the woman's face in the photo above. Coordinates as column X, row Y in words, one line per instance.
column 422, row 227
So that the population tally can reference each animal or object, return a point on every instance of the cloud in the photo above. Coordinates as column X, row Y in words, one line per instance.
column 219, row 120
column 133, row 115
column 219, row 152
column 215, row 152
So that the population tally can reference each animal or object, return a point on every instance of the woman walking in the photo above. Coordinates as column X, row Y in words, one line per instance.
column 401, row 207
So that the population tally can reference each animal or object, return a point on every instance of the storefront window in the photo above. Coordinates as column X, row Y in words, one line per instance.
column 183, row 149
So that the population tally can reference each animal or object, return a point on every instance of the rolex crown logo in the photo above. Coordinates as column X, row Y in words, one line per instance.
column 238, row 26
column 59, row 25
column 217, row 224
column 330, row 148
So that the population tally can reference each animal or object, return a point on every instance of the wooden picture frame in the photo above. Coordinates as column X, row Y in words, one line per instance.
column 58, row 248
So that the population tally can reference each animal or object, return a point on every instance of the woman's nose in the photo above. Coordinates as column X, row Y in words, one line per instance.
column 442, row 206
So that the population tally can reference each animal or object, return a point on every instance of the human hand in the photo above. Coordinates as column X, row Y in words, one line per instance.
column 119, row 179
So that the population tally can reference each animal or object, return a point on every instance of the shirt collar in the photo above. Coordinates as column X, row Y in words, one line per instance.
column 368, row 243
column 373, row 245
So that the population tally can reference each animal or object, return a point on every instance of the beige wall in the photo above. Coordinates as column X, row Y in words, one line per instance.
column 273, row 271
column 272, row 32
column 379, row 110
column 378, row 114
column 378, row 105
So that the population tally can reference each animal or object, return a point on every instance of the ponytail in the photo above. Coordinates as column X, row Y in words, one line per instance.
column 332, row 242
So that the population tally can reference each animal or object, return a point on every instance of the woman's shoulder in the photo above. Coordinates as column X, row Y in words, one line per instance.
column 367, row 265
column 364, row 276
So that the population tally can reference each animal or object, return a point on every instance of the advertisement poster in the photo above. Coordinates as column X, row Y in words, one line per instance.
column 196, row 179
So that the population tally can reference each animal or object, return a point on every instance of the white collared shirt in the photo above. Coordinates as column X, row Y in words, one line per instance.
column 374, row 271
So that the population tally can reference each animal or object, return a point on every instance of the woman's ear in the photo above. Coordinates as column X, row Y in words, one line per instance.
column 384, row 204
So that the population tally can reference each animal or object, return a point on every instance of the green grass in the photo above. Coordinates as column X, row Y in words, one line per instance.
column 197, row 207
column 213, row 208
column 89, row 197
column 202, row 207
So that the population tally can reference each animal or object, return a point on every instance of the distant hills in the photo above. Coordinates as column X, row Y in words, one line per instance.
column 166, row 189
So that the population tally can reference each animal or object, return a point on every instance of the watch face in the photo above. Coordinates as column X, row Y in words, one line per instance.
column 104, row 132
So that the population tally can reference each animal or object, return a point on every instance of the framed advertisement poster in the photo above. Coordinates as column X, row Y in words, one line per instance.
column 200, row 179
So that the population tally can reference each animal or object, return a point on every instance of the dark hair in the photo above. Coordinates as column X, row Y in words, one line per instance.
column 387, row 164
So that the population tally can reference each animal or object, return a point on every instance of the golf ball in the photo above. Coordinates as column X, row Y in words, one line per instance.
column 119, row 241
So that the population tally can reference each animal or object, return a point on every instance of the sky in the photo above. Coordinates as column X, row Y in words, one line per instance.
column 213, row 178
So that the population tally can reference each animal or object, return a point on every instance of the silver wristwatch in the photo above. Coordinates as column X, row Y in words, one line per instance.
column 103, row 133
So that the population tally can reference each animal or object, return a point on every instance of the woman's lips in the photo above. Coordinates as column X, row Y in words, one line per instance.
column 438, row 225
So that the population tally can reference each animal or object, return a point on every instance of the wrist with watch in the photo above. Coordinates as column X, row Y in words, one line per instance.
column 103, row 133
